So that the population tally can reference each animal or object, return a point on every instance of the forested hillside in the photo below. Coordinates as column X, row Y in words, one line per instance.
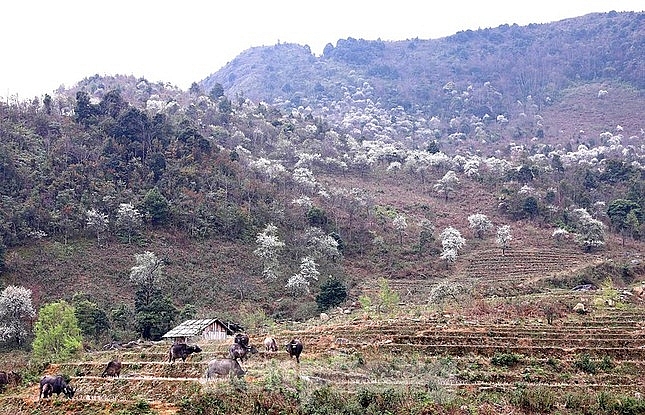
column 284, row 173
column 496, row 66
column 450, row 226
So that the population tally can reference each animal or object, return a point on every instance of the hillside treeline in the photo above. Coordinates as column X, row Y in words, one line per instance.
column 123, row 164
column 537, row 60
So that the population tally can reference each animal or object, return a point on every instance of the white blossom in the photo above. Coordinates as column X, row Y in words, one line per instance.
column 451, row 242
column 447, row 184
column 268, row 249
column 299, row 283
column 128, row 219
column 480, row 224
column 304, row 177
column 590, row 232
column 16, row 312
column 504, row 237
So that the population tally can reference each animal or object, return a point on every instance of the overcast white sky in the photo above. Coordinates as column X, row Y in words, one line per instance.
column 48, row 43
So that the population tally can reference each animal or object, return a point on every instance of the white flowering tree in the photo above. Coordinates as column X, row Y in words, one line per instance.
column 471, row 167
column 590, row 232
column 97, row 222
column 128, row 220
column 154, row 313
column 299, row 283
column 480, row 224
column 504, row 237
column 446, row 291
column 147, row 273
column 451, row 242
column 447, row 185
column 16, row 313
column 305, row 178
column 268, row 250
column 321, row 245
column 400, row 225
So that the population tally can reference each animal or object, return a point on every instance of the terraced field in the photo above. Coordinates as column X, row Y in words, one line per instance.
column 488, row 272
column 600, row 352
column 522, row 264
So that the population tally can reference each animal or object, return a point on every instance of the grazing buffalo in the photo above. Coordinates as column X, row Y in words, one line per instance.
column 182, row 351
column 4, row 380
column 55, row 384
column 294, row 347
column 270, row 344
column 237, row 351
column 113, row 369
column 9, row 378
column 223, row 367
column 243, row 339
column 14, row 378
column 47, row 390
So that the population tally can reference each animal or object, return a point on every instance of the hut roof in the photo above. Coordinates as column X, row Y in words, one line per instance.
column 191, row 328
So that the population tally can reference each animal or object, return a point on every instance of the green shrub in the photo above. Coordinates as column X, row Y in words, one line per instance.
column 325, row 401
column 506, row 359
column 628, row 405
column 274, row 380
column 577, row 401
column 554, row 363
column 534, row 399
column 606, row 364
column 332, row 293
column 619, row 404
column 57, row 336
column 584, row 363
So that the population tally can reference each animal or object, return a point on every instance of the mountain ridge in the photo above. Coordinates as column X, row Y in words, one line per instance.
column 538, row 59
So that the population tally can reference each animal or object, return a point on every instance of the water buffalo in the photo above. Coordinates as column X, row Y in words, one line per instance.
column 237, row 351
column 242, row 338
column 55, row 384
column 223, row 367
column 46, row 391
column 294, row 347
column 4, row 380
column 9, row 378
column 113, row 369
column 14, row 378
column 182, row 351
column 270, row 344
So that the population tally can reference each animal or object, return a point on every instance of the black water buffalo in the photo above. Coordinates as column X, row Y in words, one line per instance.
column 270, row 344
column 9, row 378
column 237, row 351
column 182, row 351
column 242, row 338
column 223, row 367
column 4, row 380
column 55, row 384
column 113, row 369
column 14, row 378
column 294, row 347
column 46, row 391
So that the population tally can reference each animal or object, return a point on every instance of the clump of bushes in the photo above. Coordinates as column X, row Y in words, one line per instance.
column 534, row 399
column 506, row 359
column 584, row 363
